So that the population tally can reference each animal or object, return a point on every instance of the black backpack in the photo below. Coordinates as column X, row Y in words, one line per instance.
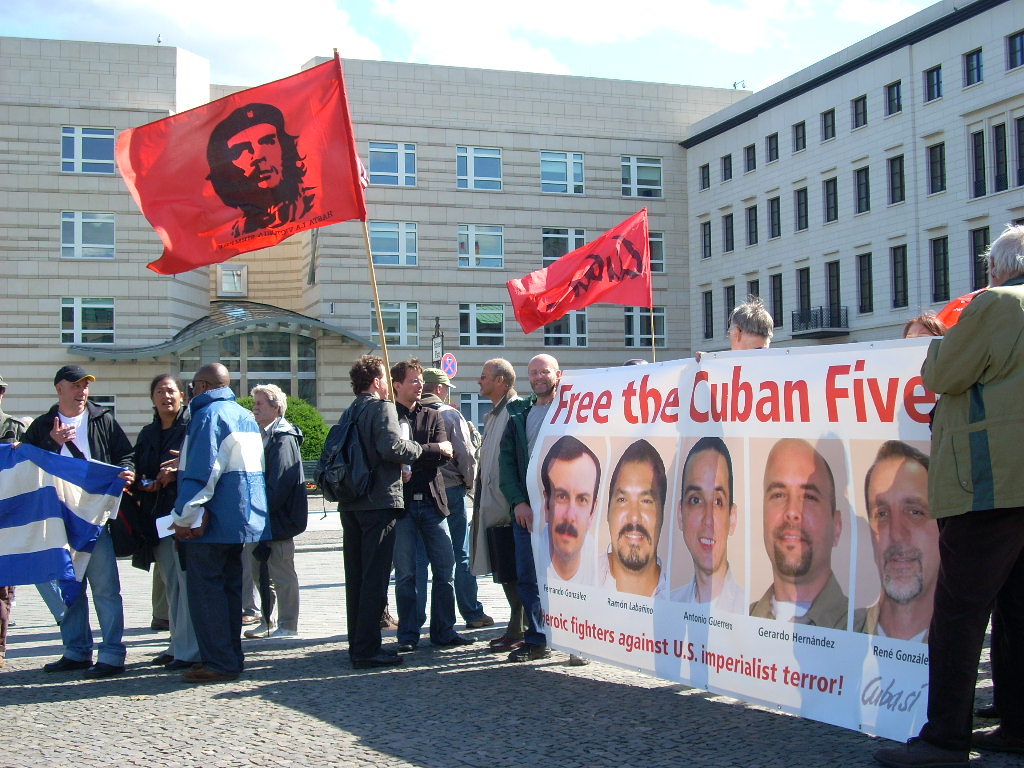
column 344, row 473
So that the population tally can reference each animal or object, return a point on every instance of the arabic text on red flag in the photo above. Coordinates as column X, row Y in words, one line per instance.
column 613, row 269
column 246, row 171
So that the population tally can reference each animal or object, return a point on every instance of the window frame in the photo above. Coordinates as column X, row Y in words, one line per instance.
column 750, row 158
column 708, row 307
column 573, row 172
column 404, row 315
column 771, row 147
column 467, row 157
column 828, row 125
column 630, row 166
column 935, row 160
column 76, row 331
column 241, row 280
column 974, row 72
column 1015, row 50
column 468, row 246
column 704, row 176
column 939, row 257
column 636, row 318
column 862, row 189
column 750, row 216
column 894, row 98
column 799, row 136
column 728, row 303
column 726, row 167
column 705, row 239
column 79, row 221
column 979, row 187
column 801, row 219
column 865, row 284
column 403, row 153
column 728, row 233
column 978, row 240
column 574, row 237
column 778, row 299
column 656, row 243
column 830, row 199
column 898, row 267
column 896, row 173
column 403, row 231
column 774, row 217
column 933, row 83
column 470, row 318
column 79, row 138
column 858, row 112
column 575, row 334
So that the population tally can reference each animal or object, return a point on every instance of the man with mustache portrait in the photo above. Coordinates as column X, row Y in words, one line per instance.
column 801, row 527
column 570, row 476
column 636, row 511
column 905, row 540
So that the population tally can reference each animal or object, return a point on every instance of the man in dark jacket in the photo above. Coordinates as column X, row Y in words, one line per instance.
column 75, row 427
column 368, row 525
column 426, row 510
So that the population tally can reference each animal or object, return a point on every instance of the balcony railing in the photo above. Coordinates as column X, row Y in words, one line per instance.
column 820, row 322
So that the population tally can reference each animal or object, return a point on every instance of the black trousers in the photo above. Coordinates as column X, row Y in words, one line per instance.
column 981, row 568
column 368, row 546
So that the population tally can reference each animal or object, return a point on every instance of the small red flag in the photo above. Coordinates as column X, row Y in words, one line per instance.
column 613, row 269
column 246, row 171
column 950, row 314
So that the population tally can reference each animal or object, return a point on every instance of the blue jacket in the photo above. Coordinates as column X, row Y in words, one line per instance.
column 221, row 470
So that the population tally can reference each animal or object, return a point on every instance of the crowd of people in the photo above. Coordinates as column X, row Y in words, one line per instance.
column 227, row 486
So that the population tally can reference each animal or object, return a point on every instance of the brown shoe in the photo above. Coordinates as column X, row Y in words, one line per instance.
column 387, row 621
column 997, row 740
column 200, row 674
column 504, row 644
column 247, row 620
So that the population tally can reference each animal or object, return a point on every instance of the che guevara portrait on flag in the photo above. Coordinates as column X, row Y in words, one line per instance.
column 255, row 166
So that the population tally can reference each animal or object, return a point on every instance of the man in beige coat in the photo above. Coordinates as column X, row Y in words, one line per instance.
column 497, row 382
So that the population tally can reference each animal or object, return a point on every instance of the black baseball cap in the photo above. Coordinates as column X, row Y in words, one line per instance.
column 72, row 373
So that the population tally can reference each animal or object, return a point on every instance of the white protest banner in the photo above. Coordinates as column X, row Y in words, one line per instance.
column 755, row 525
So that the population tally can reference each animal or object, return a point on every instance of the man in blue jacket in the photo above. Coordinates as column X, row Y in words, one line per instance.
column 221, row 505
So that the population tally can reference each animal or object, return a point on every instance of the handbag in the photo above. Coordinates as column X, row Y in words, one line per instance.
column 501, row 549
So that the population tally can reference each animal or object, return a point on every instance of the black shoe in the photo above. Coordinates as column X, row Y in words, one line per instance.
column 160, row 625
column 176, row 664
column 990, row 712
column 918, row 753
column 529, row 652
column 380, row 660
column 99, row 669
column 997, row 740
column 162, row 660
column 454, row 642
column 405, row 647
column 64, row 664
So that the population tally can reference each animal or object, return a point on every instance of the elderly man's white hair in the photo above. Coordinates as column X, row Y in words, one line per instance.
column 1006, row 255
column 274, row 394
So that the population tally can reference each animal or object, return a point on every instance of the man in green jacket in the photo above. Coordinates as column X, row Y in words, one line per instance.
column 976, row 489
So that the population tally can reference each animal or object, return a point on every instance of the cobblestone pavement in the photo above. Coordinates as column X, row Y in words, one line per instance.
column 300, row 704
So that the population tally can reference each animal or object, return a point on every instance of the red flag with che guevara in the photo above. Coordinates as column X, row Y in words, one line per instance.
column 248, row 170
column 613, row 269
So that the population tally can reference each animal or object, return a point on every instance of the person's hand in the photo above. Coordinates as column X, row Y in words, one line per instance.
column 171, row 464
column 697, row 355
column 446, row 449
column 61, row 433
column 150, row 487
column 165, row 477
column 128, row 476
column 524, row 515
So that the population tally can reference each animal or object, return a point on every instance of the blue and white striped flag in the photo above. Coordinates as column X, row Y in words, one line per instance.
column 52, row 511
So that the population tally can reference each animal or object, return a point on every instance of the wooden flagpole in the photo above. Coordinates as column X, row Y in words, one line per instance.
column 376, row 305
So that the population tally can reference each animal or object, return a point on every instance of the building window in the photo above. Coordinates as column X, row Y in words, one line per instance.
column 86, row 321
column 726, row 167
column 475, row 407
column 777, row 308
column 705, row 239
column 893, row 98
column 478, row 168
column 561, row 172
column 401, row 323
column 705, row 176
column 774, row 218
column 232, row 280
column 558, row 241
column 933, row 83
column 753, row 287
column 87, row 150
column 939, row 248
column 393, row 243
column 862, row 185
column 978, row 164
column 85, row 235
column 266, row 357
column 833, row 290
column 728, row 241
column 865, row 284
column 482, row 325
column 828, row 124
column 803, row 290
column 481, row 245
column 937, row 168
column 644, row 325
column 568, row 331
column 898, row 258
column 1000, row 176
column 979, row 263
column 656, row 242
column 897, row 183
column 859, row 112
column 800, row 209
column 749, row 158
column 771, row 147
column 728, row 303
column 799, row 136
column 972, row 68
column 1015, row 50
column 392, row 164
column 709, row 315
column 830, row 193
column 752, row 225
column 1018, row 129
column 641, row 176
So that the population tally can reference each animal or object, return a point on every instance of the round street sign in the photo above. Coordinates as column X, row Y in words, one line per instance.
column 449, row 365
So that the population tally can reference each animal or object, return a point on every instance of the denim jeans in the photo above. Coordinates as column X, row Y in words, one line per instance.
column 213, row 580
column 423, row 521
column 50, row 592
column 465, row 582
column 526, row 583
column 105, row 584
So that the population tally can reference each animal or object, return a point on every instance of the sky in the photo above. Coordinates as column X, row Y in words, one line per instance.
column 718, row 43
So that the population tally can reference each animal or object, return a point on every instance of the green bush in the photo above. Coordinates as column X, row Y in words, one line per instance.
column 305, row 417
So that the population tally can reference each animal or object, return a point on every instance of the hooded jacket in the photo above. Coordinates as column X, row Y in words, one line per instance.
column 286, row 483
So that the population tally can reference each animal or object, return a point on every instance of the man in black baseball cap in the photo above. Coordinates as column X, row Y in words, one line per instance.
column 75, row 427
